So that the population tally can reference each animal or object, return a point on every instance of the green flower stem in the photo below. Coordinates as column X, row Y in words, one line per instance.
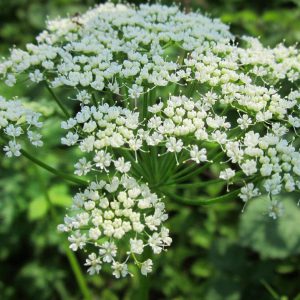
column 176, row 89
column 70, row 255
column 202, row 183
column 68, row 177
column 166, row 168
column 145, row 164
column 270, row 289
column 152, row 95
column 144, row 287
column 198, row 184
column 78, row 273
column 144, row 108
column 191, row 89
column 186, row 170
column 155, row 162
column 142, row 291
column 152, row 159
column 202, row 200
column 66, row 113
column 198, row 170
column 140, row 168
column 94, row 100
column 193, row 165
column 50, row 169
column 136, row 168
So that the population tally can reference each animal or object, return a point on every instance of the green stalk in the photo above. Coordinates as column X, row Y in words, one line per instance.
column 186, row 170
column 270, row 289
column 152, row 96
column 197, row 184
column 191, row 89
column 50, row 169
column 68, row 177
column 145, row 164
column 140, row 168
column 198, row 170
column 176, row 89
column 166, row 167
column 70, row 255
column 155, row 165
column 144, row 108
column 190, row 168
column 57, row 100
column 78, row 273
column 142, row 292
column 202, row 183
column 207, row 201
column 201, row 200
column 94, row 100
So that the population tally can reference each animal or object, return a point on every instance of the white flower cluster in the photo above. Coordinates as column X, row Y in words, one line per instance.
column 106, row 214
column 184, row 124
column 113, row 46
column 236, row 105
column 17, row 120
column 102, row 128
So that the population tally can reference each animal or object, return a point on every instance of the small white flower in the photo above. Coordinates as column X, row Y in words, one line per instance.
column 174, row 145
column 94, row 264
column 70, row 139
column 77, row 240
column 248, row 192
column 82, row 167
column 249, row 167
column 102, row 159
column 35, row 138
column 198, row 155
column 12, row 130
column 227, row 174
column 135, row 91
column 84, row 97
column 146, row 267
column 119, row 269
column 244, row 122
column 122, row 166
column 136, row 246
column 94, row 233
column 36, row 76
column 108, row 251
column 155, row 243
column 276, row 209
column 12, row 149
column 10, row 80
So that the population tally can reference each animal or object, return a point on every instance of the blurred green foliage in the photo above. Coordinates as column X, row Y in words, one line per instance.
column 218, row 252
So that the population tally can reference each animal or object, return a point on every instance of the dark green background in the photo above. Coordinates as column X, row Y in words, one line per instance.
column 218, row 252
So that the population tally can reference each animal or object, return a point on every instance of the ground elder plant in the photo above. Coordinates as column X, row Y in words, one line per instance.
column 154, row 98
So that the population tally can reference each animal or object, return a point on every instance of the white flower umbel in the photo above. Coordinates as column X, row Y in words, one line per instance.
column 16, row 120
column 144, row 113
column 105, row 220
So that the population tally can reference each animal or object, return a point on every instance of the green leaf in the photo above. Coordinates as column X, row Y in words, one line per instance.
column 37, row 208
column 201, row 238
column 271, row 238
column 223, row 288
column 202, row 268
column 59, row 195
column 109, row 295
